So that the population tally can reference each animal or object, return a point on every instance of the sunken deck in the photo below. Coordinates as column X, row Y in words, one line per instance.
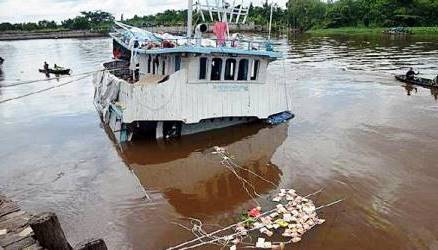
column 22, row 230
column 15, row 231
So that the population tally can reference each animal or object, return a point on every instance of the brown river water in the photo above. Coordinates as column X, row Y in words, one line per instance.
column 358, row 133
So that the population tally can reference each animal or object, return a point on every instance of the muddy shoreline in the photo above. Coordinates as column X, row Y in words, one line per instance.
column 27, row 35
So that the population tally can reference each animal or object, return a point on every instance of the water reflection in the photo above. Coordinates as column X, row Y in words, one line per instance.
column 192, row 179
column 434, row 93
column 412, row 89
column 409, row 88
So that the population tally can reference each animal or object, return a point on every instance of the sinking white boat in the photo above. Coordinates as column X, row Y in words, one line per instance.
column 167, row 86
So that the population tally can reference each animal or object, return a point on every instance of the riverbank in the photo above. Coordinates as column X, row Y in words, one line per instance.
column 55, row 34
column 423, row 31
column 27, row 35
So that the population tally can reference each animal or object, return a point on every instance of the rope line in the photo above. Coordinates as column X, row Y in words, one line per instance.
column 56, row 78
column 42, row 90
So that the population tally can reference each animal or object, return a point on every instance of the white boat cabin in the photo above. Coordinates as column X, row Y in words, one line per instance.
column 181, row 86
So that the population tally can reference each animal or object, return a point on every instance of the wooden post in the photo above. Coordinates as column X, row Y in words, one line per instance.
column 92, row 244
column 48, row 232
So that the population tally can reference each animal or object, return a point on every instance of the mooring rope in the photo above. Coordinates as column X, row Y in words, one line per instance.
column 85, row 75
column 43, row 90
column 56, row 78
column 47, row 79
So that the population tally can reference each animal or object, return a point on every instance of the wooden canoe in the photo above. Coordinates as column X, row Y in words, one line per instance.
column 417, row 81
column 56, row 71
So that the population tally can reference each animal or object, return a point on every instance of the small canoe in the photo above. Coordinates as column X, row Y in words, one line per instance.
column 417, row 81
column 56, row 71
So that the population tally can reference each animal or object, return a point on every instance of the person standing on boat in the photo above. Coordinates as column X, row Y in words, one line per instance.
column 411, row 74
column 46, row 66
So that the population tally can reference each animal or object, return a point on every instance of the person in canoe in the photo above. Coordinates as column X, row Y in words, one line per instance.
column 411, row 74
column 435, row 81
column 46, row 66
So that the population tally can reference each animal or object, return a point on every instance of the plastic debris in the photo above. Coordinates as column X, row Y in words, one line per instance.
column 255, row 212
column 260, row 243
column 291, row 217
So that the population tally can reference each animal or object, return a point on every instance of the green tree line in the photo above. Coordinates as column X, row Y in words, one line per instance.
column 307, row 14
column 299, row 14
column 88, row 20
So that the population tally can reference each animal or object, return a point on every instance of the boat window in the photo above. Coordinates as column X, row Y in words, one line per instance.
column 202, row 68
column 149, row 64
column 177, row 63
column 243, row 70
column 216, row 69
column 255, row 69
column 230, row 69
column 163, row 72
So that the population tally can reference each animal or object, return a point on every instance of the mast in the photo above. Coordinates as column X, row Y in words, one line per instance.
column 189, row 18
column 270, row 21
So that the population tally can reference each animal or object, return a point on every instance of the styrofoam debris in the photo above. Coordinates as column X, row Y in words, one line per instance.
column 297, row 217
column 276, row 199
column 287, row 217
column 260, row 243
column 3, row 231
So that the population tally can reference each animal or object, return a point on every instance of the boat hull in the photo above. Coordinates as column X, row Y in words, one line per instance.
column 417, row 81
column 56, row 72
column 177, row 107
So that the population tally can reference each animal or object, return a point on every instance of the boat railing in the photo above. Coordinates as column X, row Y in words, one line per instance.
column 158, row 41
column 243, row 44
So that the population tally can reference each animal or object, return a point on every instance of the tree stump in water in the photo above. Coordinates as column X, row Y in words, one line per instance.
column 48, row 232
column 93, row 244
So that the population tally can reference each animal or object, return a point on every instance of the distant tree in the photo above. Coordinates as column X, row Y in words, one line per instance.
column 80, row 23
column 44, row 24
column 6, row 26
column 98, row 17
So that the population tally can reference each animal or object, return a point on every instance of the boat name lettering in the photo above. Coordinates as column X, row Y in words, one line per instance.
column 230, row 88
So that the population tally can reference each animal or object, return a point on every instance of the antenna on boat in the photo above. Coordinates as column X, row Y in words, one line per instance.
column 270, row 22
column 235, row 12
column 189, row 18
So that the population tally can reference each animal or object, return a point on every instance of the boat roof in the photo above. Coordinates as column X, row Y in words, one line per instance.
column 127, row 34
column 205, row 50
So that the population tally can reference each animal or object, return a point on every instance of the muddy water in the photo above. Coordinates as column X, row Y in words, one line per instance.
column 358, row 133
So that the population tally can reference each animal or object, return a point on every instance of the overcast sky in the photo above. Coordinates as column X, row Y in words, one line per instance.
column 33, row 10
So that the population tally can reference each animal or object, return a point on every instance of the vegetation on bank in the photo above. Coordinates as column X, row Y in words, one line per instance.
column 318, row 16
column 98, row 21
column 311, row 14
column 378, row 30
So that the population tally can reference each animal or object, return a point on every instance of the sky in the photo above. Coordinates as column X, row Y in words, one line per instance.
column 16, row 11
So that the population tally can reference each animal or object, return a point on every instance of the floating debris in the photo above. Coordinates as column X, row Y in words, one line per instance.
column 291, row 217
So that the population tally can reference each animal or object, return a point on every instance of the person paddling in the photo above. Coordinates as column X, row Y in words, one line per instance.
column 411, row 74
column 46, row 66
